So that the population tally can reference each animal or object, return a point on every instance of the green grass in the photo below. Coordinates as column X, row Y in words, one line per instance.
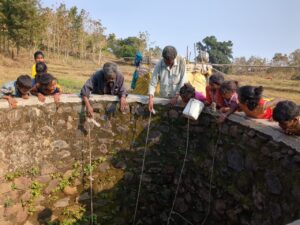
column 70, row 86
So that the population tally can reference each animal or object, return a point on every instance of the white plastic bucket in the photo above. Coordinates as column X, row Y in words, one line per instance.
column 193, row 109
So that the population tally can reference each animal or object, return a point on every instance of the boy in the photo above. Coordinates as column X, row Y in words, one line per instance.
column 19, row 88
column 38, row 57
column 287, row 114
column 213, row 94
column 47, row 85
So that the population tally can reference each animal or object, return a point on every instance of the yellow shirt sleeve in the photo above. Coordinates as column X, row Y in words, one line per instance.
column 33, row 71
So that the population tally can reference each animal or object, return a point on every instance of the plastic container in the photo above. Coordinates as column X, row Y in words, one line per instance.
column 193, row 109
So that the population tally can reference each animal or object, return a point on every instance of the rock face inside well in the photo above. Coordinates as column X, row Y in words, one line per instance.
column 44, row 155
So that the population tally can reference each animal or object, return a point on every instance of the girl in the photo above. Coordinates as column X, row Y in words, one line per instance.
column 252, row 103
column 228, row 91
column 187, row 91
column 213, row 93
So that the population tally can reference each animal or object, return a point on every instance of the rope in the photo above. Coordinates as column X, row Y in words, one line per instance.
column 211, row 176
column 143, row 167
column 176, row 213
column 91, row 174
column 181, row 172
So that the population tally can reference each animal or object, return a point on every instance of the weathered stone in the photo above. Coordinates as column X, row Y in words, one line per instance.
column 52, row 185
column 173, row 114
column 121, row 165
column 43, row 179
column 47, row 169
column 70, row 190
column 103, row 148
column 64, row 154
column 128, row 176
column 5, row 187
column 291, row 152
column 22, row 183
column 275, row 211
column 296, row 158
column 220, row 207
column 22, row 216
column 154, row 137
column 180, row 206
column 296, row 192
column 103, row 167
column 83, row 197
column 13, row 210
column 62, row 203
column 273, row 183
column 26, row 196
column 59, row 144
column 28, row 223
column 235, row 160
column 251, row 133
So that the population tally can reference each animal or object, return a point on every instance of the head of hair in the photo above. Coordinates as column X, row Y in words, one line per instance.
column 250, row 95
column 216, row 78
column 41, row 67
column 24, row 81
column 229, row 86
column 37, row 53
column 110, row 70
column 285, row 111
column 45, row 79
column 169, row 53
column 187, row 91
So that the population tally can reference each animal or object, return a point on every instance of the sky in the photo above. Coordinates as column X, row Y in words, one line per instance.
column 256, row 27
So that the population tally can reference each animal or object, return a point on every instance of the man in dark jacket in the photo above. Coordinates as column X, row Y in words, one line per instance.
column 106, row 81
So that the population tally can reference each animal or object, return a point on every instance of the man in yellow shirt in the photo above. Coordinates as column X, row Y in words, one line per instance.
column 38, row 57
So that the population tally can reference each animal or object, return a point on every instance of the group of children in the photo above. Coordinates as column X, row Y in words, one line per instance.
column 228, row 97
column 41, row 84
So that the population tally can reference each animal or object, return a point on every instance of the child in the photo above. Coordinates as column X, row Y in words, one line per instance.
column 287, row 114
column 187, row 91
column 252, row 103
column 213, row 93
column 19, row 88
column 228, row 91
column 47, row 85
column 40, row 69
column 38, row 57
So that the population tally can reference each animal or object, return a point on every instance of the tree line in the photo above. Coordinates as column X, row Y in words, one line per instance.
column 68, row 32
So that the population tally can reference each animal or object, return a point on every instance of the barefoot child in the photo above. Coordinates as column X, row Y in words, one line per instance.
column 287, row 114
column 19, row 88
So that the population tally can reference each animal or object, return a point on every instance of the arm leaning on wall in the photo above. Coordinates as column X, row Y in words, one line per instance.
column 86, row 92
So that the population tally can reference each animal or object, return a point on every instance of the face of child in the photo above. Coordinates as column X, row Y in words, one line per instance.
column 50, row 88
column 24, row 90
column 214, row 86
column 39, row 58
column 227, row 95
column 290, row 124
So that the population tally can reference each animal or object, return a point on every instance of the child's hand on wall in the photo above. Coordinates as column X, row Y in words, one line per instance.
column 41, row 97
column 11, row 101
column 56, row 97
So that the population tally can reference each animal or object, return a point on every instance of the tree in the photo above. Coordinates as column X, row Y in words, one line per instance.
column 219, row 52
column 280, row 60
column 295, row 58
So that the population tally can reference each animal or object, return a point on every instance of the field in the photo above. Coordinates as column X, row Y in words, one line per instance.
column 72, row 74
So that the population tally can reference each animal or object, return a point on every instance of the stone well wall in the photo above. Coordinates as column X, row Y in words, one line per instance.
column 45, row 172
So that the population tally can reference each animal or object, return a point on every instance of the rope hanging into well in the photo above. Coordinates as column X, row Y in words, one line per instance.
column 142, row 172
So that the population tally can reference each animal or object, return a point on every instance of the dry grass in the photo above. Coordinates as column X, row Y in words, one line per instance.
column 277, row 87
column 72, row 74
